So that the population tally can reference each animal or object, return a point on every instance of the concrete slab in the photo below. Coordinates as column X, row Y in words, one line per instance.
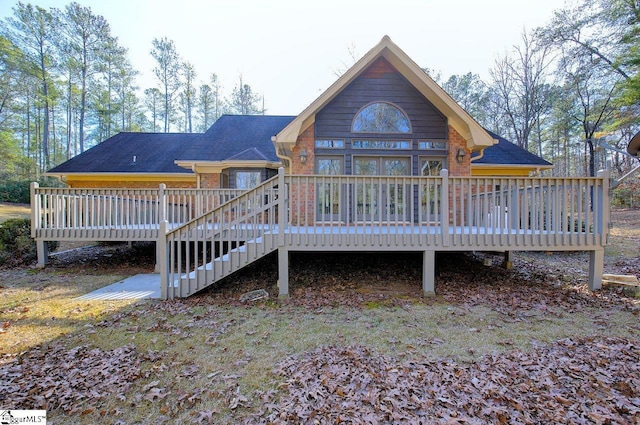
column 138, row 287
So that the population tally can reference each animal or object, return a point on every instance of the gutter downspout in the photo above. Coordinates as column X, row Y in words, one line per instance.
column 286, row 160
column 480, row 155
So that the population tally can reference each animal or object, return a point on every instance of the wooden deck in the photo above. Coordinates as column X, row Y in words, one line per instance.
column 205, row 235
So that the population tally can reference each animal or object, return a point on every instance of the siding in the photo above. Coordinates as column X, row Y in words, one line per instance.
column 380, row 82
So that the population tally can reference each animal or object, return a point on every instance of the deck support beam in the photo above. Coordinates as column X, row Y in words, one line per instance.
column 43, row 253
column 507, row 262
column 428, row 273
column 596, row 266
column 283, row 273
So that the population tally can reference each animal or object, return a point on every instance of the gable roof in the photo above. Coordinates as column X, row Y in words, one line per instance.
column 476, row 136
column 153, row 152
column 507, row 153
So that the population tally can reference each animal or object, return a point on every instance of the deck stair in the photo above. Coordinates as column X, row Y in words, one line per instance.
column 221, row 241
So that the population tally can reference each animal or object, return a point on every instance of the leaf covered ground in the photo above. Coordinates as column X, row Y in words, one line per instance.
column 527, row 345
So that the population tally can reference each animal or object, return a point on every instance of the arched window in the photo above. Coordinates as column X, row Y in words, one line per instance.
column 381, row 117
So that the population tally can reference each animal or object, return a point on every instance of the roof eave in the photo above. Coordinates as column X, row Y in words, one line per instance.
column 217, row 166
column 487, row 165
column 138, row 176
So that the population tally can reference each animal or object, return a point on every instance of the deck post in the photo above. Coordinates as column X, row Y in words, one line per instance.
column 444, row 205
column 43, row 253
column 603, row 219
column 596, row 266
column 162, row 218
column 162, row 260
column 282, row 206
column 162, row 203
column 428, row 273
column 507, row 262
column 283, row 273
column 36, row 212
column 35, row 209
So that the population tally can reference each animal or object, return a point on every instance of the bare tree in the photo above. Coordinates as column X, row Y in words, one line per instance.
column 244, row 101
column 520, row 82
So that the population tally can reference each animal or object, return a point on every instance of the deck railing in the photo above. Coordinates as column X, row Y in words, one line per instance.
column 114, row 214
column 374, row 211
column 456, row 212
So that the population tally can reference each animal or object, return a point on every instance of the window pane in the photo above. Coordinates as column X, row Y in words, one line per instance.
column 329, row 166
column 430, row 167
column 396, row 167
column 247, row 179
column 365, row 167
column 432, row 144
column 381, row 144
column 330, row 144
column 381, row 118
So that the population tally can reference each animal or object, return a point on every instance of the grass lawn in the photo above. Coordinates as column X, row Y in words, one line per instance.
column 8, row 211
column 345, row 345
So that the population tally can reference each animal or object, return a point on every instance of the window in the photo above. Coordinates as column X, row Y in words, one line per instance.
column 381, row 144
column 247, row 179
column 384, row 166
column 430, row 167
column 432, row 144
column 329, row 144
column 328, row 166
column 381, row 117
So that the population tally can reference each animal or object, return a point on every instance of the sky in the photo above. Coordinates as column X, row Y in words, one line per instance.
column 290, row 51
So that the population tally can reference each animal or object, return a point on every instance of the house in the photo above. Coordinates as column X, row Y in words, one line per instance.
column 383, row 160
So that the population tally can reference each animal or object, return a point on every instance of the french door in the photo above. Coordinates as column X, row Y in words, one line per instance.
column 330, row 196
column 380, row 200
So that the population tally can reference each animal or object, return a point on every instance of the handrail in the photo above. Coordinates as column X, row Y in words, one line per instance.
column 217, row 243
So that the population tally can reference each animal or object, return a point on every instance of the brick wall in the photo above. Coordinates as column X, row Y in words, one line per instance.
column 456, row 141
column 302, row 195
column 210, row 181
column 305, row 141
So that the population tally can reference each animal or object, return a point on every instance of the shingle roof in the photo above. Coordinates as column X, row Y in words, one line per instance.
column 232, row 135
column 508, row 153
column 154, row 152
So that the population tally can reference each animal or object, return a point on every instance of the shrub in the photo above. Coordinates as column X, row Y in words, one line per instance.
column 16, row 244
column 15, row 191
